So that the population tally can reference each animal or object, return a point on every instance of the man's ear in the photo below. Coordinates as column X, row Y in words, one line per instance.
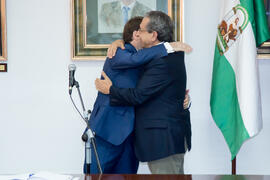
column 154, row 36
column 135, row 35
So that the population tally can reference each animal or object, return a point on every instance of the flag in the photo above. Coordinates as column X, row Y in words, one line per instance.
column 235, row 93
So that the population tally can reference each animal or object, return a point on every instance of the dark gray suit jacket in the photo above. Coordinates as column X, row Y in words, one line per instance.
column 161, row 123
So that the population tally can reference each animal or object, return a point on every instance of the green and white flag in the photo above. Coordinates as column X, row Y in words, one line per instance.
column 235, row 94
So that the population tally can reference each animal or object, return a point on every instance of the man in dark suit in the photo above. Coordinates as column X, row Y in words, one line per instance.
column 162, row 126
column 113, row 126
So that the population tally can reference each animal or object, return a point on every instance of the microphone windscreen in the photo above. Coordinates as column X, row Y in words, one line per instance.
column 71, row 67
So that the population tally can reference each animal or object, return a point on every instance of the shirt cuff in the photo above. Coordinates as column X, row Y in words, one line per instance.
column 168, row 47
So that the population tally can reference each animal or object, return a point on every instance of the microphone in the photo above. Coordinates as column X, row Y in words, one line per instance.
column 71, row 69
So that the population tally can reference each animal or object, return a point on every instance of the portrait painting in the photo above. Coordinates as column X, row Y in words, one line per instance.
column 0, row 39
column 3, row 51
column 264, row 50
column 113, row 14
column 97, row 23
column 267, row 10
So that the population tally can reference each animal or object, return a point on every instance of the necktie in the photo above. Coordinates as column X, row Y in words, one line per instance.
column 125, row 13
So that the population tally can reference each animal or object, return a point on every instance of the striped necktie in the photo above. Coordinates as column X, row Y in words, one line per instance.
column 125, row 13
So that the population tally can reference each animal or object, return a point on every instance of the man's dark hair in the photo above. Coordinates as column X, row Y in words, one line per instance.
column 132, row 25
column 162, row 24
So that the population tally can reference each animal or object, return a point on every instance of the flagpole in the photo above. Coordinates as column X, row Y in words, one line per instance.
column 234, row 166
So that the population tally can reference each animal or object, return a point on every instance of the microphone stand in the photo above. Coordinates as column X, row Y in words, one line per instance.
column 88, row 136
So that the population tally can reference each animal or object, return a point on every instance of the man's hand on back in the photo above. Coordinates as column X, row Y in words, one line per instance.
column 186, row 103
column 180, row 46
column 103, row 86
column 113, row 47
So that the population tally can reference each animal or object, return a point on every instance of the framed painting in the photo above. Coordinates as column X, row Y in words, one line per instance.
column 3, row 67
column 97, row 23
column 264, row 50
column 3, row 37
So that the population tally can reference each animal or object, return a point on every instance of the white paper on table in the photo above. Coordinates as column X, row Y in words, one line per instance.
column 15, row 177
column 43, row 175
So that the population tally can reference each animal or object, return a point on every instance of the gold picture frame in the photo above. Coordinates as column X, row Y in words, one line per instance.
column 263, row 52
column 88, row 44
column 3, row 36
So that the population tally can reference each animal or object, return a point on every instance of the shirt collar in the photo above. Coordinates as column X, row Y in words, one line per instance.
column 130, row 6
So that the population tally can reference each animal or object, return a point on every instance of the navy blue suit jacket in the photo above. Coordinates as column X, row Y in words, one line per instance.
column 162, row 125
column 114, row 124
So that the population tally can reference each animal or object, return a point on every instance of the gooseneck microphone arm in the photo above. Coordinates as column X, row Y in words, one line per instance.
column 88, row 135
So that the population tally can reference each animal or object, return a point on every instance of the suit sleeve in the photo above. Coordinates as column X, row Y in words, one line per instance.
column 124, row 59
column 151, row 84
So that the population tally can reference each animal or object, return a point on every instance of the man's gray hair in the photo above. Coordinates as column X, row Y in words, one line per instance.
column 162, row 24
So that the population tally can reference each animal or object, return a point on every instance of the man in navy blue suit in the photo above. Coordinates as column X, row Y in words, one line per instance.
column 162, row 125
column 113, row 126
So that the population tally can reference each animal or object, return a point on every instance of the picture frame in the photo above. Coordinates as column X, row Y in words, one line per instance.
column 90, row 40
column 263, row 52
column 3, row 67
column 3, row 36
